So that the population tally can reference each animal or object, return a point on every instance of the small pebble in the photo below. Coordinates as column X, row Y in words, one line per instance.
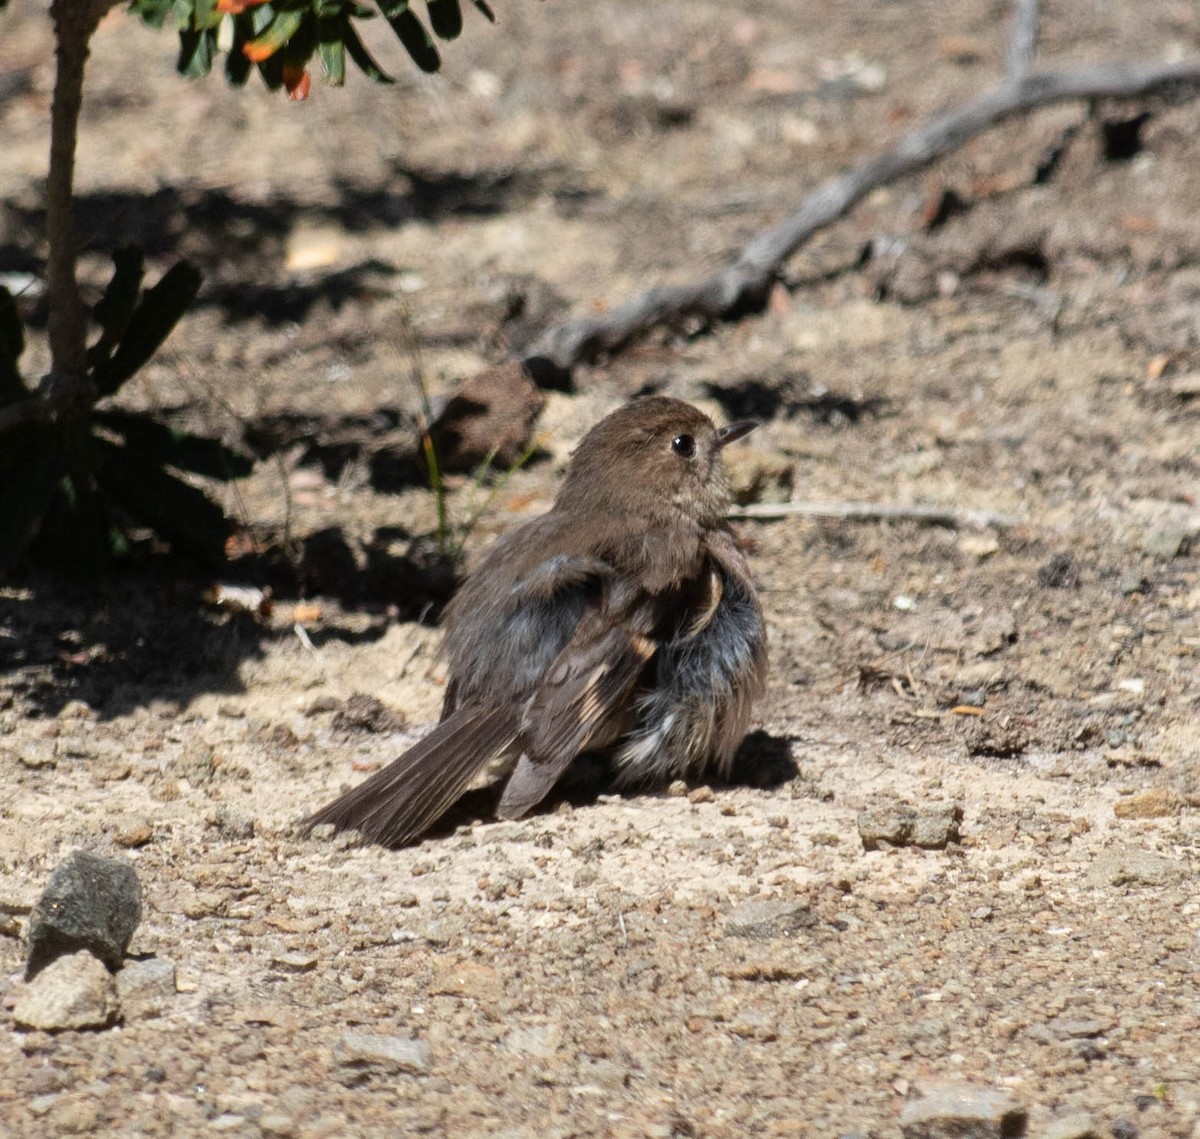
column 769, row 917
column 133, row 832
column 1157, row 803
column 356, row 1051
column 964, row 1111
column 72, row 992
column 37, row 754
column 295, row 962
column 91, row 902
column 75, row 710
column 146, row 988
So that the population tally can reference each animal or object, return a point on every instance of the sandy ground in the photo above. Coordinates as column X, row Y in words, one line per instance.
column 602, row 968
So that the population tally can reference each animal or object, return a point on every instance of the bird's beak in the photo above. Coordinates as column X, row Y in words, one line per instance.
column 735, row 431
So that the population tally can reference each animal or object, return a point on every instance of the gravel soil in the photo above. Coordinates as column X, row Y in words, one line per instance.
column 719, row 960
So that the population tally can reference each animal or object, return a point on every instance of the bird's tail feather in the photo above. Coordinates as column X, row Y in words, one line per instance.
column 400, row 802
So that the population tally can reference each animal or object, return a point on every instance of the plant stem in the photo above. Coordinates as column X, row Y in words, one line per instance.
column 74, row 23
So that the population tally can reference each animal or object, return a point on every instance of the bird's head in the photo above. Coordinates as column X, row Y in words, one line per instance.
column 656, row 461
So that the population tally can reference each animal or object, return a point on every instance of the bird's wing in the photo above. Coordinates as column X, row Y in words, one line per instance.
column 582, row 697
column 401, row 801
column 504, row 634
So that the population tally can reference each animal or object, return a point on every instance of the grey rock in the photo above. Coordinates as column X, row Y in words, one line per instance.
column 38, row 753
column 91, row 902
column 75, row 991
column 1134, row 868
column 753, row 1022
column 999, row 736
column 931, row 828
column 936, row 828
column 277, row 1123
column 1165, row 544
column 358, row 1051
column 769, row 917
column 538, row 1041
column 963, row 1111
column 231, row 824
column 1078, row 1125
column 1073, row 1028
column 132, row 831
column 1132, row 581
column 197, row 764
column 295, row 962
column 146, row 988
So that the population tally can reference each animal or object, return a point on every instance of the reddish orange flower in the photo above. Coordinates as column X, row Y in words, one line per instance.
column 256, row 51
column 297, row 82
column 237, row 7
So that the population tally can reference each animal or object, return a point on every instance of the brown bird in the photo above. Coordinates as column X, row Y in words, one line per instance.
column 623, row 623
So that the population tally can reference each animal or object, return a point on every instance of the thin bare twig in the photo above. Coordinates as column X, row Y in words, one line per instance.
column 876, row 511
column 1022, row 44
column 744, row 285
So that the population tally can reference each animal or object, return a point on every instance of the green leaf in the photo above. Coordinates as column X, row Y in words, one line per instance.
column 12, row 344
column 181, row 449
column 331, row 48
column 196, row 51
column 412, row 34
column 173, row 509
column 271, row 71
column 152, row 12
column 156, row 314
column 75, row 533
column 277, row 33
column 113, row 310
column 261, row 16
column 299, row 49
column 237, row 66
column 206, row 14
column 363, row 58
column 445, row 17
column 36, row 465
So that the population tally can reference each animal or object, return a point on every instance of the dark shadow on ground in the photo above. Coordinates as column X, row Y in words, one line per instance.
column 407, row 577
column 384, row 441
column 117, row 642
column 240, row 245
column 763, row 761
column 151, row 630
column 793, row 396
column 290, row 302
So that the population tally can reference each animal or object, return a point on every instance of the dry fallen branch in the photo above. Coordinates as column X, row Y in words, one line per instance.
column 1022, row 44
column 876, row 511
column 743, row 286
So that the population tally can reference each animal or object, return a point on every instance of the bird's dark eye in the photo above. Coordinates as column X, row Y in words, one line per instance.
column 684, row 445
